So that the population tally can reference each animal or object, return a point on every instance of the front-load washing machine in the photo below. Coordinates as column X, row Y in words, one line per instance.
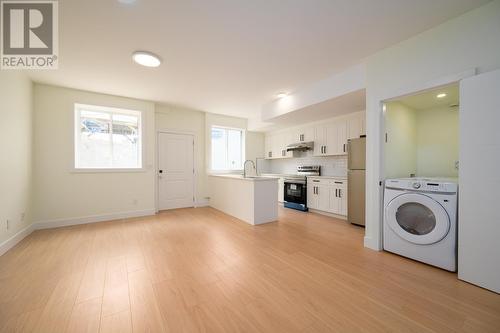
column 420, row 220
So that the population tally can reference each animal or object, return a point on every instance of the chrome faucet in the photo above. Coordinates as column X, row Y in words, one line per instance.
column 245, row 169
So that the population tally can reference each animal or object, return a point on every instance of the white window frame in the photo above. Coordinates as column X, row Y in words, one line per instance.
column 243, row 137
column 110, row 110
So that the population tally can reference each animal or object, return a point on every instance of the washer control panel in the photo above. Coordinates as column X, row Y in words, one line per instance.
column 422, row 184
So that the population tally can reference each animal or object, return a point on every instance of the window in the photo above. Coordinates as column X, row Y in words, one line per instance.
column 107, row 138
column 227, row 149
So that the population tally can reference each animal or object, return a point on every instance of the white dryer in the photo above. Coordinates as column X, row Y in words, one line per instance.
column 420, row 220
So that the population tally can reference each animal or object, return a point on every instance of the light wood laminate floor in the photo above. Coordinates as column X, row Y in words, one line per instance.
column 193, row 270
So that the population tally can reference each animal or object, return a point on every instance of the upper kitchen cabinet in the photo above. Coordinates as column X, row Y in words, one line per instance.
column 268, row 144
column 356, row 125
column 276, row 143
column 331, row 138
column 303, row 134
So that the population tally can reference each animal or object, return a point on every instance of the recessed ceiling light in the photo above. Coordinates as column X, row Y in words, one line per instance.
column 147, row 59
column 441, row 95
column 127, row 2
column 282, row 94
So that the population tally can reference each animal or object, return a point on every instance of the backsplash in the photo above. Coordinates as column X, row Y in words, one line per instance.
column 330, row 165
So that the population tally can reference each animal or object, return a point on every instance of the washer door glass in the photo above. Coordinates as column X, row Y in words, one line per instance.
column 417, row 218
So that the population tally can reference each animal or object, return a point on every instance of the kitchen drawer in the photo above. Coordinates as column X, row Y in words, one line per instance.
column 318, row 181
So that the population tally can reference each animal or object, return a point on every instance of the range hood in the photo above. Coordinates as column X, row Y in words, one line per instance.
column 301, row 146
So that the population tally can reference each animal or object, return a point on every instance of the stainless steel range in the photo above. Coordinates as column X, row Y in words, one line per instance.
column 296, row 187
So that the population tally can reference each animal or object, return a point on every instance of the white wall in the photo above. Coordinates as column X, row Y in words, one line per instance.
column 466, row 42
column 254, row 145
column 62, row 194
column 401, row 145
column 15, row 152
column 437, row 142
column 420, row 142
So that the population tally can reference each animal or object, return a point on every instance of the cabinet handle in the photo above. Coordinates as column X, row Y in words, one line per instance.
column 336, row 193
column 344, row 147
column 340, row 193
column 316, row 181
column 324, row 149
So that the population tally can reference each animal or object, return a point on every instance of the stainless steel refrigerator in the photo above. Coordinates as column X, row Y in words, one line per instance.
column 356, row 163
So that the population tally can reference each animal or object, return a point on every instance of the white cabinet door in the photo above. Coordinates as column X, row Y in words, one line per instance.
column 331, row 139
column 479, row 227
column 341, row 127
column 334, row 202
column 277, row 145
column 338, row 198
column 281, row 190
column 356, row 125
column 303, row 134
column 287, row 140
column 323, row 194
column 342, row 200
column 319, row 140
column 268, row 143
column 312, row 198
column 327, row 136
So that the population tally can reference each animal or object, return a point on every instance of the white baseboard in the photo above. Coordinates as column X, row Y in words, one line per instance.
column 91, row 219
column 19, row 236
column 371, row 244
column 201, row 203
column 340, row 217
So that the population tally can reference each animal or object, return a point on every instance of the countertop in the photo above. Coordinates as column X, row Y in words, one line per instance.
column 279, row 175
column 329, row 177
column 248, row 178
column 284, row 175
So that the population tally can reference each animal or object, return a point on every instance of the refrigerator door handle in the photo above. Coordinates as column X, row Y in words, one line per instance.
column 349, row 154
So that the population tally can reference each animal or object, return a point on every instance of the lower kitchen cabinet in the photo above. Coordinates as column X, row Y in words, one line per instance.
column 281, row 189
column 328, row 195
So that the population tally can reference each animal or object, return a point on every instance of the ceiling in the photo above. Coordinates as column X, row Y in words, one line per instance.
column 429, row 100
column 228, row 56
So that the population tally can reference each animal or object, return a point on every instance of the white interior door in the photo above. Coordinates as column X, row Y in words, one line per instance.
column 479, row 214
column 175, row 171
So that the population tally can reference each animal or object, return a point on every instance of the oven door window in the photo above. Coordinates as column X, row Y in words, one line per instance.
column 295, row 192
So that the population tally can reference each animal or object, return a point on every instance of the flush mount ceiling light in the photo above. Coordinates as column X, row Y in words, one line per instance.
column 441, row 95
column 282, row 94
column 127, row 2
column 147, row 59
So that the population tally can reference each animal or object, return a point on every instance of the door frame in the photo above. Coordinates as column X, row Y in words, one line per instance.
column 157, row 166
column 375, row 159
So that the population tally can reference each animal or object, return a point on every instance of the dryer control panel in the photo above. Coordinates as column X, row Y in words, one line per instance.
column 423, row 184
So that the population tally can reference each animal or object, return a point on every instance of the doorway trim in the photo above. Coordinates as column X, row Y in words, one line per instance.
column 375, row 179
column 157, row 166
